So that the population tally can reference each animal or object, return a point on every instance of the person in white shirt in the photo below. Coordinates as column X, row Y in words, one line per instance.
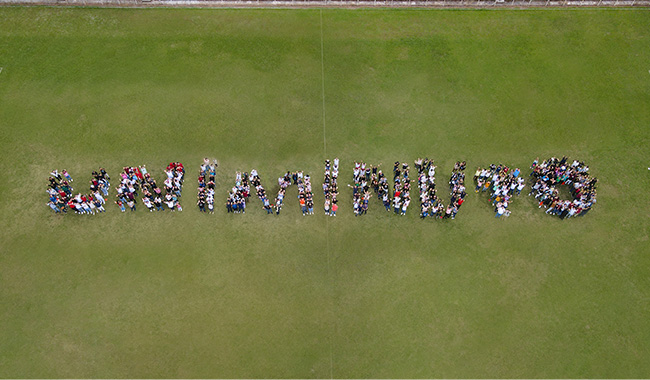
column 407, row 201
column 520, row 187
column 147, row 203
column 99, row 197
column 432, row 171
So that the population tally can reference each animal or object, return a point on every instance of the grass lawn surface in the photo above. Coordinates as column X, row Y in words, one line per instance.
column 194, row 295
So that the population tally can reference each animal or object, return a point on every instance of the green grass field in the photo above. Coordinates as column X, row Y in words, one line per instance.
column 193, row 295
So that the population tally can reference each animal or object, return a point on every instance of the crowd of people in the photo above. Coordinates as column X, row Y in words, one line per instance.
column 362, row 179
column 401, row 188
column 60, row 193
column 330, row 187
column 502, row 183
column 137, row 179
column 554, row 172
column 239, row 194
column 205, row 195
column 430, row 204
column 305, row 195
column 367, row 177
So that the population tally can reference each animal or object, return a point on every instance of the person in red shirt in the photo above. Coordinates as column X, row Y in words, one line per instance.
column 72, row 206
column 303, row 206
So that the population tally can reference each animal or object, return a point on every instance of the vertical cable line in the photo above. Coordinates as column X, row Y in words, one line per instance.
column 327, row 222
column 322, row 71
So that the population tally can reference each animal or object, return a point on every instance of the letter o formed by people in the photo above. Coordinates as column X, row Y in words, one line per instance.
column 548, row 175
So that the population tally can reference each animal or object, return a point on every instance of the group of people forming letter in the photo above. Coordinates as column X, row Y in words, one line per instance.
column 136, row 181
column 61, row 198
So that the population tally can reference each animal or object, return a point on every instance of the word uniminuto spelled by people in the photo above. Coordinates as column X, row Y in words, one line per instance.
column 501, row 184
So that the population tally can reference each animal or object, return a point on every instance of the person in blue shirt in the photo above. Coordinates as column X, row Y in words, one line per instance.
column 53, row 207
